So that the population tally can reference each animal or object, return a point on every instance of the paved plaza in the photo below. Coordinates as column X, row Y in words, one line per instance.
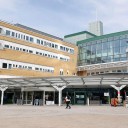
column 14, row 116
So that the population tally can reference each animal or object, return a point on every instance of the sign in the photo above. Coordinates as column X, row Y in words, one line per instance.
column 106, row 93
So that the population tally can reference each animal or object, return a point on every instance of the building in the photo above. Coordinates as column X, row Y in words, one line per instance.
column 75, row 37
column 46, row 66
column 26, row 52
column 96, row 28
column 103, row 54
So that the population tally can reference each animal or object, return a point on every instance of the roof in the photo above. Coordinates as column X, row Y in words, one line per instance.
column 103, row 36
column 37, row 31
column 79, row 33
column 69, row 81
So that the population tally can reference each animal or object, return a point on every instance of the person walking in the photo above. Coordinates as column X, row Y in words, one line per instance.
column 68, row 99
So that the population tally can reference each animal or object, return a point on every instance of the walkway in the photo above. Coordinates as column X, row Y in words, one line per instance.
column 13, row 116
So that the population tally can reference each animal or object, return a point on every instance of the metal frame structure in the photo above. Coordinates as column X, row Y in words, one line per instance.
column 117, row 81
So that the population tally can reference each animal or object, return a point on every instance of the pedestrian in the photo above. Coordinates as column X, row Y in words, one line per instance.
column 68, row 100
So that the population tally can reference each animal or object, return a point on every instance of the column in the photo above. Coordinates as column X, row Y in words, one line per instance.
column 2, row 88
column 32, row 97
column 22, row 97
column 87, row 101
column 44, row 98
column 59, row 88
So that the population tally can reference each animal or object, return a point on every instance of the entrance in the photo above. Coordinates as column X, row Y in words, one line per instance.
column 80, row 97
column 28, row 98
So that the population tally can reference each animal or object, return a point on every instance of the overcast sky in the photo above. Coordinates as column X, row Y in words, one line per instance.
column 62, row 17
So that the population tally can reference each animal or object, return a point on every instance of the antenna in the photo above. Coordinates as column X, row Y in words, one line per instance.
column 96, row 14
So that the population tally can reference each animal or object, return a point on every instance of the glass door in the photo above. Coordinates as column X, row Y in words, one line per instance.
column 28, row 98
column 80, row 98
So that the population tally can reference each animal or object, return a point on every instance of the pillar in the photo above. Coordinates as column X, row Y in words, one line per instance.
column 88, row 101
column 2, row 88
column 44, row 98
column 59, row 88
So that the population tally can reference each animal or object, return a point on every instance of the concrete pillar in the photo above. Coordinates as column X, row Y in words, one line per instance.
column 60, row 88
column 22, row 97
column 32, row 97
column 60, row 97
column 44, row 98
column 87, row 101
column 2, row 88
column 26, row 96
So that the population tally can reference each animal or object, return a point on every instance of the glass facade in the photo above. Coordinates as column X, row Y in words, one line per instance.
column 104, row 50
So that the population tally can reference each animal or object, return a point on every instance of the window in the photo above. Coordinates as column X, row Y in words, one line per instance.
column 37, row 69
column 20, row 66
column 10, row 66
column 17, row 48
column 38, row 41
column 24, row 50
column 45, row 43
column 52, row 45
column 16, row 34
column 31, row 39
column 30, row 68
column 4, row 65
column 30, row 51
column 7, row 32
column 27, row 38
column 6, row 46
column 24, row 37
column 42, row 42
column 13, row 34
column 19, row 36
column 0, row 30
column 56, row 46
column 61, row 72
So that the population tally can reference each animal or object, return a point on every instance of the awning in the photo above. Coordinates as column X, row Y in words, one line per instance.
column 104, row 80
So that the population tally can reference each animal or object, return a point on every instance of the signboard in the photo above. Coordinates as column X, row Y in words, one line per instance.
column 106, row 93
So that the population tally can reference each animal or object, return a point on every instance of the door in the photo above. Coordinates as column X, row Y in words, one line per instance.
column 80, row 97
column 28, row 98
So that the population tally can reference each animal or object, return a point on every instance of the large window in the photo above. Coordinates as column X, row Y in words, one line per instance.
column 106, row 50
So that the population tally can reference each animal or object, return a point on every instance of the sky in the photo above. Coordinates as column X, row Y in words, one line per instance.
column 63, row 17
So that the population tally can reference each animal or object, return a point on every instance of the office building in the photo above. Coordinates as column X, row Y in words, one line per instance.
column 28, row 52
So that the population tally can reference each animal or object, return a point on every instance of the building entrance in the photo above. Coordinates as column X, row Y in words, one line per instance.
column 80, row 97
column 28, row 98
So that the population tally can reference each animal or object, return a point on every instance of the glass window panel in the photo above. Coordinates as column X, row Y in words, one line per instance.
column 99, row 46
column 117, row 43
column 123, row 55
column 110, row 59
column 8, row 32
column 89, row 48
column 99, row 52
column 116, row 50
column 105, row 45
column 13, row 34
column 123, row 58
column 122, row 50
column 111, row 44
column 123, row 42
column 105, row 51
column 116, row 59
